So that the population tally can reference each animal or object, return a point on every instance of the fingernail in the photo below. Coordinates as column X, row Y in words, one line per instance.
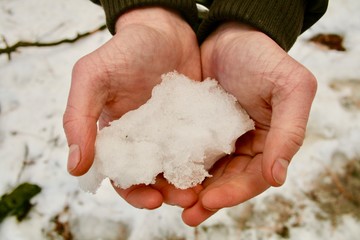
column 211, row 209
column 73, row 158
column 279, row 170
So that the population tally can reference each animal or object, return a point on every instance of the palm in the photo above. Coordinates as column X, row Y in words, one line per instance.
column 276, row 91
column 132, row 87
column 238, row 175
column 132, row 63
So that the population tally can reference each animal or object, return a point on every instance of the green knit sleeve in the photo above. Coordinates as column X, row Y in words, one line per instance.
column 114, row 8
column 282, row 20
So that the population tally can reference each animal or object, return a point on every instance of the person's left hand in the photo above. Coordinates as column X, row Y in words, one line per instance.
column 277, row 93
column 235, row 179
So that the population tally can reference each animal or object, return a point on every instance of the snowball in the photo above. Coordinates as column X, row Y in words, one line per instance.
column 183, row 129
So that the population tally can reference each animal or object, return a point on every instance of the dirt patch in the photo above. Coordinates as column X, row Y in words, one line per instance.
column 351, row 89
column 329, row 40
column 338, row 193
column 170, row 236
column 277, row 216
column 334, row 193
column 67, row 225
column 59, row 227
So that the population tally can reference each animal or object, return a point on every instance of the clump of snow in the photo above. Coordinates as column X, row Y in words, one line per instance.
column 181, row 132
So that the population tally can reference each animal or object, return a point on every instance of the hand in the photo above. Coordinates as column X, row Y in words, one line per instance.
column 119, row 77
column 277, row 93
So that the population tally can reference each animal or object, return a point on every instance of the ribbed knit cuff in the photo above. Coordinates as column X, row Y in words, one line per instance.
column 279, row 19
column 114, row 8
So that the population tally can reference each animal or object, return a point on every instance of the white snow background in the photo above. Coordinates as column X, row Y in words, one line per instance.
column 33, row 93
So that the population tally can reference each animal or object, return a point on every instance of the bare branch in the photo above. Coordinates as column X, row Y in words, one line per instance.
column 9, row 49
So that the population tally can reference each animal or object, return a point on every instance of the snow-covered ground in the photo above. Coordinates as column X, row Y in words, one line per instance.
column 319, row 201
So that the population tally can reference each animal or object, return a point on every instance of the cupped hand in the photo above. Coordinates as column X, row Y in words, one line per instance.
column 119, row 77
column 277, row 93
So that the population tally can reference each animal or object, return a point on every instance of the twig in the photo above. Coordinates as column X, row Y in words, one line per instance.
column 24, row 163
column 339, row 185
column 9, row 49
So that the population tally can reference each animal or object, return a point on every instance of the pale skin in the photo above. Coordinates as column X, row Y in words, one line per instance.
column 274, row 89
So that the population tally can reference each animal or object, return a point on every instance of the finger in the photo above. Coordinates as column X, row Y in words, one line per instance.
column 222, row 197
column 287, row 130
column 196, row 214
column 251, row 143
column 141, row 196
column 230, row 190
column 174, row 196
column 242, row 181
column 86, row 99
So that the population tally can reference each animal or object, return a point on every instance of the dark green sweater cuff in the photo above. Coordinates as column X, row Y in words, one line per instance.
column 114, row 8
column 282, row 20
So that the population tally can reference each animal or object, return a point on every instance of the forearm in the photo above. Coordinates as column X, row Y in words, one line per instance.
column 115, row 8
column 282, row 20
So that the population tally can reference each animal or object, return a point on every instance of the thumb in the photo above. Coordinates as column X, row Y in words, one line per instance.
column 290, row 113
column 85, row 102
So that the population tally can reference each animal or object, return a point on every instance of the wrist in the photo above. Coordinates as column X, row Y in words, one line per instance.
column 229, row 31
column 233, row 43
column 156, row 17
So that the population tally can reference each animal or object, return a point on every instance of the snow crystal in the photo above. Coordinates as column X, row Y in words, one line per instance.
column 183, row 129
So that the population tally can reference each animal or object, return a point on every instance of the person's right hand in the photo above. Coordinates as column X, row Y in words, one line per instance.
column 119, row 77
